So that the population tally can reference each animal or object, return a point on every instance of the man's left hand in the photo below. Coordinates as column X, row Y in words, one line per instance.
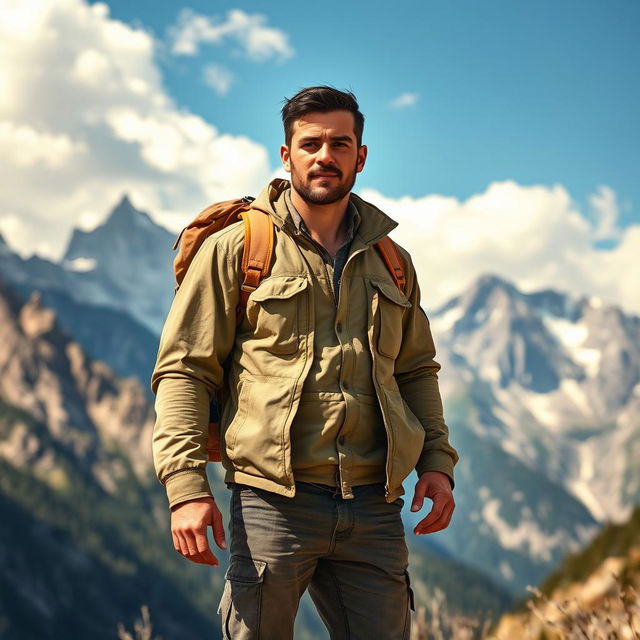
column 436, row 486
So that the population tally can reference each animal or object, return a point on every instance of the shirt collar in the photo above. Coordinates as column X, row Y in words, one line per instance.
column 352, row 214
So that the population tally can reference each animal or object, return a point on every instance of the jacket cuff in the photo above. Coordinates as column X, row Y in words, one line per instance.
column 187, row 484
column 436, row 461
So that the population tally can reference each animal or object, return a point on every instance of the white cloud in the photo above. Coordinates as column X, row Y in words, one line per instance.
column 28, row 146
column 84, row 117
column 256, row 40
column 404, row 100
column 605, row 204
column 532, row 235
column 218, row 78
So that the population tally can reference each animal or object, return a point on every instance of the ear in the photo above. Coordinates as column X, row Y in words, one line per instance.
column 362, row 158
column 285, row 157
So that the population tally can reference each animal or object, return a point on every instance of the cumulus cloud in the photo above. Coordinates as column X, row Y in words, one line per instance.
column 84, row 117
column 532, row 235
column 30, row 147
column 218, row 78
column 249, row 31
column 404, row 100
column 605, row 204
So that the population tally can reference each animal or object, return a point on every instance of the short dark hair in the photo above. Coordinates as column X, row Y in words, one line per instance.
column 320, row 99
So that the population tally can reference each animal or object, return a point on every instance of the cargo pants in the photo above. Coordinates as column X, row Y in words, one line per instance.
column 351, row 555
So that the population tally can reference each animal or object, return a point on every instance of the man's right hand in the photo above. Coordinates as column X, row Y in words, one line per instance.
column 189, row 522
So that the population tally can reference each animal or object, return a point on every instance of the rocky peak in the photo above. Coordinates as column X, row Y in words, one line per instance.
column 35, row 319
column 125, row 214
column 78, row 403
column 124, row 229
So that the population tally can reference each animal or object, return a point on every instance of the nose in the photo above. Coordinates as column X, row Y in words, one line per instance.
column 324, row 155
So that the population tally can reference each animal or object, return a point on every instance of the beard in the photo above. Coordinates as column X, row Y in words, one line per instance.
column 322, row 192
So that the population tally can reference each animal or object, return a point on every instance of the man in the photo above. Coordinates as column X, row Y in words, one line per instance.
column 333, row 400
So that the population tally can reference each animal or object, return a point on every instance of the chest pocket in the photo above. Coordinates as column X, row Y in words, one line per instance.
column 274, row 310
column 391, row 307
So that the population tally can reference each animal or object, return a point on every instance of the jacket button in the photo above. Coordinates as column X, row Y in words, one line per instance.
column 345, row 386
column 341, row 440
column 339, row 328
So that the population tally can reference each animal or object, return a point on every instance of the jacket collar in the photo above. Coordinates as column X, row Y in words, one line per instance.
column 374, row 223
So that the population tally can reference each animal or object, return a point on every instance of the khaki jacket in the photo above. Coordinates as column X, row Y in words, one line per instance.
column 269, row 355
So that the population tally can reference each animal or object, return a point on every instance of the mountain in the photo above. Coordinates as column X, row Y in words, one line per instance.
column 111, row 291
column 83, row 542
column 541, row 398
column 104, row 333
column 85, row 536
column 125, row 264
column 564, row 374
column 133, row 254
column 542, row 391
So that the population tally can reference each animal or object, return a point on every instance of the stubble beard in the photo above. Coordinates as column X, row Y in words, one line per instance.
column 322, row 195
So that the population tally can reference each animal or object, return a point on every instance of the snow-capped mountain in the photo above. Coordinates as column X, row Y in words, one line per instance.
column 564, row 376
column 542, row 393
column 134, row 254
column 125, row 263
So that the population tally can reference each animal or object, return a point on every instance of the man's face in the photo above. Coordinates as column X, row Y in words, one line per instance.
column 323, row 156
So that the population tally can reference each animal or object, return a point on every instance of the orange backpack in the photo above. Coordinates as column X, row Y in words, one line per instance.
column 256, row 262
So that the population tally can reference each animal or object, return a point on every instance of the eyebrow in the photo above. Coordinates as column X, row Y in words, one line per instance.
column 333, row 139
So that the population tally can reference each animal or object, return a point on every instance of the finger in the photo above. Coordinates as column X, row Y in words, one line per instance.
column 433, row 516
column 204, row 550
column 453, row 507
column 218, row 529
column 183, row 549
column 418, row 496
column 441, row 523
column 431, row 525
column 193, row 553
column 176, row 542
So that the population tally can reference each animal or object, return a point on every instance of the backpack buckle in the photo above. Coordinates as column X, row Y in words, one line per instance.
column 252, row 278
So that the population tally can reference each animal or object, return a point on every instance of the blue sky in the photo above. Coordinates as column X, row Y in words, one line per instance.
column 503, row 136
column 539, row 92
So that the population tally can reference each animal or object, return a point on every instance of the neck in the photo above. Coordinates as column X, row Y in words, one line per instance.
column 326, row 222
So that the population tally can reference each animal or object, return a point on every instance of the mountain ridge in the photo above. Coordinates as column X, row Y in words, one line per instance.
column 76, row 474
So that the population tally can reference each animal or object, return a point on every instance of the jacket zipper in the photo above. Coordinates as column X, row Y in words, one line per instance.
column 375, row 382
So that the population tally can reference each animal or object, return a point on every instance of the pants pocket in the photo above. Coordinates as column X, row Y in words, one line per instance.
column 411, row 606
column 241, row 599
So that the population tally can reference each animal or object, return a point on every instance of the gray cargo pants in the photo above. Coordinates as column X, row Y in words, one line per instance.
column 351, row 554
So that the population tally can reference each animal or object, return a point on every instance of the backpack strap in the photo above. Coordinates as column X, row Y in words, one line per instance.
column 257, row 254
column 391, row 256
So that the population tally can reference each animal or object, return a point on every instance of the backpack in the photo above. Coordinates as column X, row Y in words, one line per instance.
column 256, row 263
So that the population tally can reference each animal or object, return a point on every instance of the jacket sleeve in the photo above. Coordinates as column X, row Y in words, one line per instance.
column 416, row 373
column 197, row 337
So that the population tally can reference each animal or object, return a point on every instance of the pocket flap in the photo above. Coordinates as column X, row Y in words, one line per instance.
column 243, row 569
column 279, row 287
column 391, row 292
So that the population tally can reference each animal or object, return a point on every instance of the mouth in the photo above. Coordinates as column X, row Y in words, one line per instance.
column 324, row 175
